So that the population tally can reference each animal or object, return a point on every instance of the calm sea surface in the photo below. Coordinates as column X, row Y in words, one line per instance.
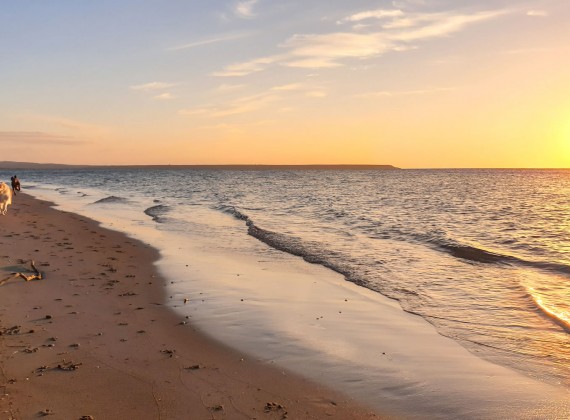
column 483, row 255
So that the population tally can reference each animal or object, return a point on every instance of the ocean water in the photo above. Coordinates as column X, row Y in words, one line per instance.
column 482, row 255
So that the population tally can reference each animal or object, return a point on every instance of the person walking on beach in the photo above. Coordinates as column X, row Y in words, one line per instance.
column 15, row 184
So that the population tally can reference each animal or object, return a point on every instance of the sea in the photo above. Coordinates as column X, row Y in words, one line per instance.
column 482, row 255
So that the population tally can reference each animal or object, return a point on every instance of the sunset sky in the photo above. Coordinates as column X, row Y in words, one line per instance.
column 412, row 83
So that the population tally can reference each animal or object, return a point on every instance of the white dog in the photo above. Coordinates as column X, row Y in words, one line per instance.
column 5, row 198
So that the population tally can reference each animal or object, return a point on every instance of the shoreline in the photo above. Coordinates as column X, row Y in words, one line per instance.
column 96, row 338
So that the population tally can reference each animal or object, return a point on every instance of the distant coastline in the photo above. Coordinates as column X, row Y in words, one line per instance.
column 5, row 165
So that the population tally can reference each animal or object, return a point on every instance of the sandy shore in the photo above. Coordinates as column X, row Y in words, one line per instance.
column 93, row 338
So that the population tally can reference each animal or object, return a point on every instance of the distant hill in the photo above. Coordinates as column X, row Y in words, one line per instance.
column 266, row 167
column 30, row 165
column 5, row 165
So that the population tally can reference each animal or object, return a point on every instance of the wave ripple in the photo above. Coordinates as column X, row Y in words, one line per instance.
column 111, row 200
column 157, row 212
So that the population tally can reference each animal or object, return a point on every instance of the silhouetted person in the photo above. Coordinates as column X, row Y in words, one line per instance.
column 15, row 184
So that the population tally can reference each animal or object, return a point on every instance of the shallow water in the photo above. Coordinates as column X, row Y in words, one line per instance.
column 480, row 254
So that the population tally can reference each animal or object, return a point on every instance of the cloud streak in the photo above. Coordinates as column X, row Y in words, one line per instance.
column 239, row 106
column 225, row 88
column 373, row 14
column 209, row 41
column 386, row 93
column 317, row 51
column 37, row 138
column 164, row 96
column 249, row 67
column 537, row 13
column 154, row 88
column 147, row 87
column 67, row 123
column 244, row 9
column 256, row 102
column 386, row 30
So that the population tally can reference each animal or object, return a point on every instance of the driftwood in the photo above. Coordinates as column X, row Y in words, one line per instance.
column 36, row 276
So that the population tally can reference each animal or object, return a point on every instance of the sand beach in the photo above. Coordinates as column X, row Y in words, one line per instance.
column 93, row 338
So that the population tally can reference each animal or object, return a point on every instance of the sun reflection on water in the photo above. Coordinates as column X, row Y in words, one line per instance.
column 557, row 310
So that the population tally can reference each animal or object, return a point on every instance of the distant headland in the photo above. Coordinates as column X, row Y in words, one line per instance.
column 5, row 165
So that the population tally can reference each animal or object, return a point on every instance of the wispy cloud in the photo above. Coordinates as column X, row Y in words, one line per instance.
column 235, row 128
column 314, row 63
column 402, row 4
column 191, row 112
column 289, row 87
column 308, row 90
column 316, row 94
column 67, row 123
column 530, row 50
column 389, row 30
column 37, row 138
column 224, row 88
column 537, row 13
column 239, row 106
column 256, row 102
column 244, row 9
column 442, row 24
column 214, row 40
column 146, row 87
column 324, row 50
column 248, row 67
column 164, row 96
column 373, row 14
column 386, row 93
column 245, row 105
column 154, row 88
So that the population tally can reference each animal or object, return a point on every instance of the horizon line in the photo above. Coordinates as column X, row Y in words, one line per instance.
column 12, row 164
column 8, row 165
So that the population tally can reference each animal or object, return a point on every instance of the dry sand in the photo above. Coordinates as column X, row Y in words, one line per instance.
column 93, row 338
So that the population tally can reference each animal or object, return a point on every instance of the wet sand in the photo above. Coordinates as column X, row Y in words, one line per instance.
column 94, row 337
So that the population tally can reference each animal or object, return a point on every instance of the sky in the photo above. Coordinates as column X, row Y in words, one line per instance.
column 411, row 83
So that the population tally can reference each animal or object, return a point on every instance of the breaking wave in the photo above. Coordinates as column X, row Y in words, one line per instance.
column 111, row 200
column 456, row 249
column 311, row 252
column 157, row 212
column 481, row 255
column 552, row 311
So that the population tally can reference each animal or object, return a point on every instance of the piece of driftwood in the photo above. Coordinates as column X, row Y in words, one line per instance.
column 36, row 276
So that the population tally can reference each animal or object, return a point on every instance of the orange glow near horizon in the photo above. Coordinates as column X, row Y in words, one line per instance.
column 413, row 88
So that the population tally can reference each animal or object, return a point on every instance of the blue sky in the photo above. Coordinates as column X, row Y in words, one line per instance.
column 260, row 81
